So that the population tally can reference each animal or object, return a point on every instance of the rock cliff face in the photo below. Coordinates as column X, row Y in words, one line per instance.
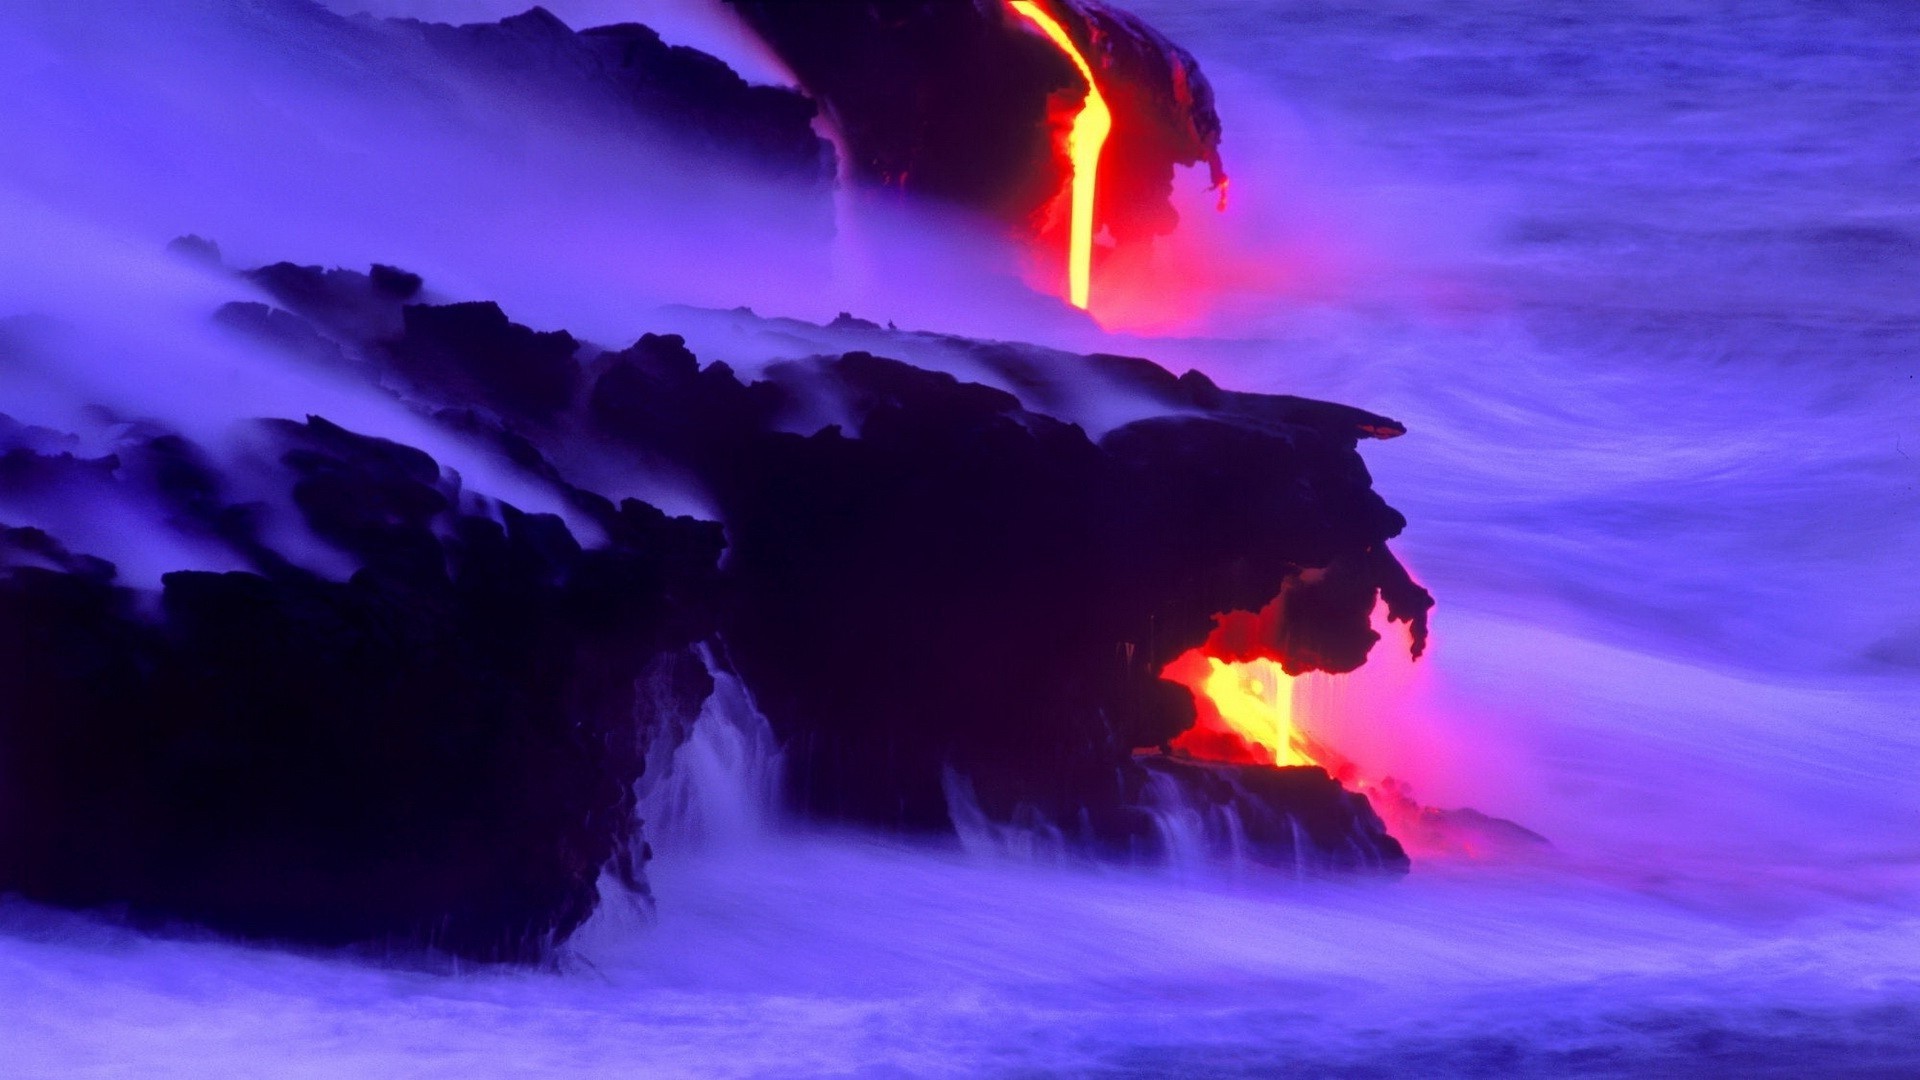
column 949, row 577
column 954, row 581
column 440, row 748
column 629, row 76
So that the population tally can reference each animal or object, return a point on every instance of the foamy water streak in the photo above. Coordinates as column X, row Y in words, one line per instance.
column 1638, row 279
column 716, row 784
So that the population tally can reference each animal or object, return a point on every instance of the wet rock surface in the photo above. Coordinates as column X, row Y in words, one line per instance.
column 628, row 73
column 1295, row 818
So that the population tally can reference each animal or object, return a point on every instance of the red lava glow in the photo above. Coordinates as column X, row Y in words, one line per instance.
column 1245, row 716
column 1179, row 281
column 1244, row 709
column 1219, row 272
column 1084, row 143
column 1249, row 711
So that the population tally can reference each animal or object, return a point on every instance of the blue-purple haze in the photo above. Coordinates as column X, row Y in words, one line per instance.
column 1641, row 278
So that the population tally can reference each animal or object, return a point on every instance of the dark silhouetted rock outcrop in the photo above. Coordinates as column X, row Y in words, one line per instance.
column 439, row 750
column 928, row 582
column 1295, row 818
column 629, row 75
column 955, row 578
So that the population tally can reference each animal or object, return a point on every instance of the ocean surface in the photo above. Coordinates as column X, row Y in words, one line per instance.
column 1643, row 281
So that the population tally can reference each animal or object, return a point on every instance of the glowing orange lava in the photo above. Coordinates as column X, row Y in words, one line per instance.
column 1249, row 711
column 1084, row 143
column 1245, row 711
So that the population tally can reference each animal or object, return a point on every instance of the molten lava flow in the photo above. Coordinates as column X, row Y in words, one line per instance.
column 1245, row 711
column 1084, row 142
column 1246, row 714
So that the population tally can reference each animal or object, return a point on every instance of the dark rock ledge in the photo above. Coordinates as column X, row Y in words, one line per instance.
column 441, row 748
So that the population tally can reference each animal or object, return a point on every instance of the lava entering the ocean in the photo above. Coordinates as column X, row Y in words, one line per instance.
column 1084, row 142
column 1244, row 711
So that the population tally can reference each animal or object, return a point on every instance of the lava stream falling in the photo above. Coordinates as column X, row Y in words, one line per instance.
column 1084, row 143
column 1246, row 714
column 1245, row 711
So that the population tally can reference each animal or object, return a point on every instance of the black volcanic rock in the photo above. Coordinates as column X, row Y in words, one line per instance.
column 474, row 347
column 627, row 73
column 395, row 282
column 470, row 351
column 950, row 580
column 966, row 585
column 950, row 586
column 346, row 302
column 657, row 398
column 439, row 750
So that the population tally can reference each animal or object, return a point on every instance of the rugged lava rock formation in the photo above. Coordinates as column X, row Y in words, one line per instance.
column 628, row 74
column 441, row 748
column 1295, row 817
column 949, row 579
column 943, row 589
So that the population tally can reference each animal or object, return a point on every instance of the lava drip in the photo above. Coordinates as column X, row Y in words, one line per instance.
column 1242, row 675
column 961, row 104
column 1088, row 136
column 1243, row 711
column 1248, row 717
